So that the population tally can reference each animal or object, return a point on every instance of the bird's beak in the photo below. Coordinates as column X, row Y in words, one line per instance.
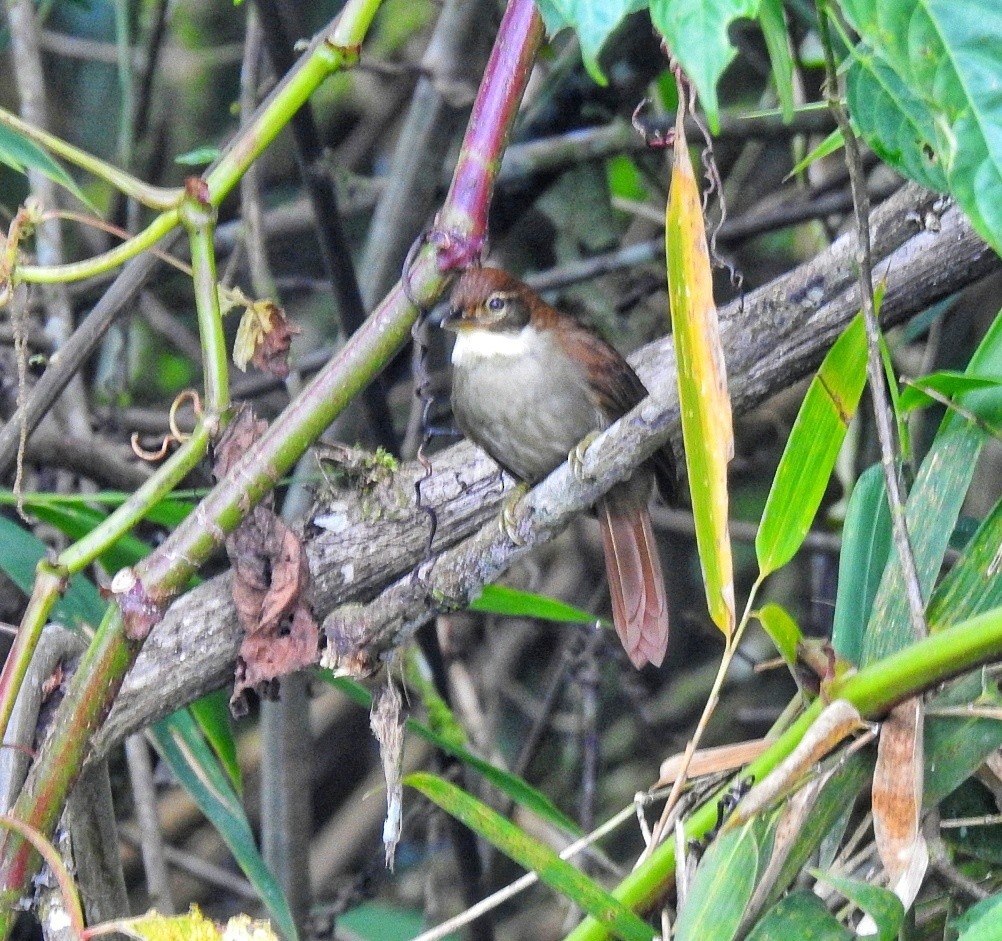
column 452, row 320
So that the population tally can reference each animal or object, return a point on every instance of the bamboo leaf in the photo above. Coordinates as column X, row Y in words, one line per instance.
column 882, row 905
column 782, row 630
column 509, row 784
column 513, row 602
column 21, row 154
column 532, row 854
column 811, row 451
column 721, row 888
column 706, row 410
column 800, row 915
column 185, row 750
column 866, row 544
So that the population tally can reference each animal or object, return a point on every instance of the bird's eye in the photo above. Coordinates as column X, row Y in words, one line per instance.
column 495, row 303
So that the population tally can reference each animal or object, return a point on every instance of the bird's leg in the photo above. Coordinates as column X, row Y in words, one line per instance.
column 577, row 455
column 508, row 520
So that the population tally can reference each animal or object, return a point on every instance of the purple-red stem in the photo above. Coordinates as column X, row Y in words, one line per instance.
column 460, row 233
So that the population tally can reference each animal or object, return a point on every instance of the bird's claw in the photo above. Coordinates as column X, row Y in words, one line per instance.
column 508, row 520
column 576, row 457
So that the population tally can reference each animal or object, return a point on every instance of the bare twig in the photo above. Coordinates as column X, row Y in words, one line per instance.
column 874, row 364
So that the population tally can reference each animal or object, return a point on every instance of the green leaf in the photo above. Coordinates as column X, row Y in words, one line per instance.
column 185, row 750
column 212, row 713
column 972, row 586
column 500, row 599
column 777, row 41
column 77, row 520
column 949, row 57
column 932, row 509
column 696, row 33
column 892, row 120
column 829, row 145
column 882, row 905
column 21, row 154
column 830, row 811
column 980, row 922
column 956, row 746
column 721, row 888
column 953, row 386
column 21, row 551
column 377, row 921
column 532, row 854
column 782, row 630
column 866, row 544
column 800, row 915
column 198, row 157
column 509, row 784
column 811, row 451
column 594, row 21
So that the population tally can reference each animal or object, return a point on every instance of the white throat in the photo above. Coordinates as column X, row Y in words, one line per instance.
column 474, row 345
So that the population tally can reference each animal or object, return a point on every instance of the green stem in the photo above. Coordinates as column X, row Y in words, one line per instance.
column 199, row 219
column 328, row 54
column 108, row 656
column 460, row 233
column 155, row 197
column 873, row 691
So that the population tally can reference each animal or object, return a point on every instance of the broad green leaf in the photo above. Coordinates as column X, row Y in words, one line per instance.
column 696, row 33
column 533, row 855
column 866, row 544
column 21, row 154
column 954, row 386
column 800, row 915
column 980, row 922
column 973, row 584
column 594, row 21
column 185, row 750
column 946, row 52
column 509, row 784
column 721, row 888
column 882, row 905
column 782, row 630
column 20, row 551
column 812, row 448
column 500, row 599
column 707, row 432
column 892, row 120
column 777, row 41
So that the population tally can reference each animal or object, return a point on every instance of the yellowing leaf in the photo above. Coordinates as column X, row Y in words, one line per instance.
column 156, row 927
column 193, row 926
column 702, row 381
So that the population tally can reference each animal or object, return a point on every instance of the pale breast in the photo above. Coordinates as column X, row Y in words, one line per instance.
column 521, row 399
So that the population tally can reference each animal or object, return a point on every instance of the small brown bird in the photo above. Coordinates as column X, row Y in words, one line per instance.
column 529, row 383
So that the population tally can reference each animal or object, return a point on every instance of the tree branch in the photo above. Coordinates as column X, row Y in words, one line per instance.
column 363, row 546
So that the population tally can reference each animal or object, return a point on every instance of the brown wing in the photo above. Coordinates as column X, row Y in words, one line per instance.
column 615, row 389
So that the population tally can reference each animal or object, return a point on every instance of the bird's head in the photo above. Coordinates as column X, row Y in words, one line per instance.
column 489, row 299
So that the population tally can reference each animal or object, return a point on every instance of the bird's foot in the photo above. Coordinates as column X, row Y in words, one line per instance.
column 508, row 520
column 576, row 456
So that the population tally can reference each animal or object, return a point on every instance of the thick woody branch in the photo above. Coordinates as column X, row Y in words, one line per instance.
column 373, row 574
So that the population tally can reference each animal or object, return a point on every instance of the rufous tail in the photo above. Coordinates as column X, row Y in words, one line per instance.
column 639, row 607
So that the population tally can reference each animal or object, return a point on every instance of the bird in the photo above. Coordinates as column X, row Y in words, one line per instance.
column 531, row 385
